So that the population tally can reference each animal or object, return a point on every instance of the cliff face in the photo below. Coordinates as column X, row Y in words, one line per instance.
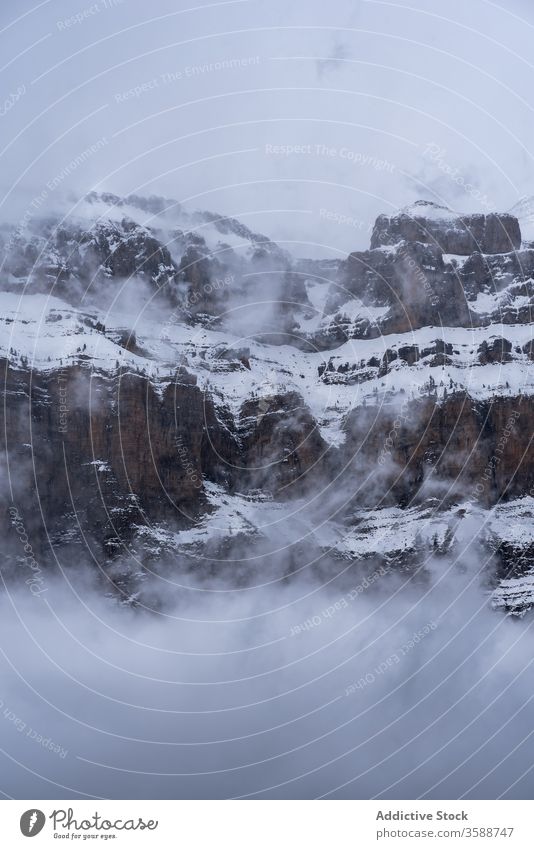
column 430, row 224
column 103, row 450
column 103, row 454
column 400, row 379
column 413, row 282
column 479, row 452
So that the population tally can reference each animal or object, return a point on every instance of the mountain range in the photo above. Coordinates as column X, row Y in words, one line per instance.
column 183, row 396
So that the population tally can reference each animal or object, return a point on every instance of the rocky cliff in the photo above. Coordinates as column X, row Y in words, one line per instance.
column 153, row 410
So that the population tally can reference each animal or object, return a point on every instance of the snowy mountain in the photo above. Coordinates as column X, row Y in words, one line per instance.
column 180, row 390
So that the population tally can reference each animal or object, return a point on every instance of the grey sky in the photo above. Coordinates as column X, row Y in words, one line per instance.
column 362, row 87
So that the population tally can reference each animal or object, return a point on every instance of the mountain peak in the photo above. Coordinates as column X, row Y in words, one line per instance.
column 450, row 232
column 427, row 209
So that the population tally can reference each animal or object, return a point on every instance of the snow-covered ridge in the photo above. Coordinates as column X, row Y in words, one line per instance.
column 166, row 214
column 429, row 210
column 45, row 333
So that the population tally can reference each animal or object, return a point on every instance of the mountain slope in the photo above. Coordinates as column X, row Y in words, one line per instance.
column 171, row 397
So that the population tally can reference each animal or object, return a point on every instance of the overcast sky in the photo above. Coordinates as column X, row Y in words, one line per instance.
column 386, row 99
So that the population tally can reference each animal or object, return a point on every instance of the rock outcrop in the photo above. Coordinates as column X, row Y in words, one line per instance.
column 451, row 233
column 458, row 450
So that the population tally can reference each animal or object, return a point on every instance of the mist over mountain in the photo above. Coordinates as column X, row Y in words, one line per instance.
column 266, row 293
column 269, row 501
